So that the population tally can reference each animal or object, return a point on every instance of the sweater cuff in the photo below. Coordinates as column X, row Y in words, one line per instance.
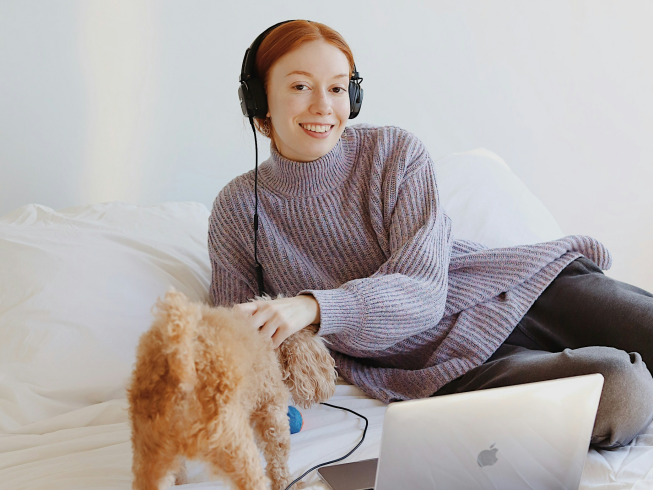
column 339, row 310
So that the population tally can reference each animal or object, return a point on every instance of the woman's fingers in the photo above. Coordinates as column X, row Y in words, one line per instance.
column 278, row 337
column 276, row 329
column 274, row 319
column 268, row 328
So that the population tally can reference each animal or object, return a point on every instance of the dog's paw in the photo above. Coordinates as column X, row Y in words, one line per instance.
column 182, row 475
column 282, row 485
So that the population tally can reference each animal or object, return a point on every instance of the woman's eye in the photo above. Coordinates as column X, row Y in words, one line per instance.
column 340, row 89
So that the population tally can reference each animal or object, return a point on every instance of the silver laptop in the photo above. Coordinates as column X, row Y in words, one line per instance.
column 533, row 435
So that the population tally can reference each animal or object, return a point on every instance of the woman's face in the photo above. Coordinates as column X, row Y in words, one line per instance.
column 317, row 96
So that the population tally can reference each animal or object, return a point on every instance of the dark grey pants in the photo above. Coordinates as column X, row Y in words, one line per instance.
column 584, row 322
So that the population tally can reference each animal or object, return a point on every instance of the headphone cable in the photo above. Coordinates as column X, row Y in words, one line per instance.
column 259, row 277
column 341, row 458
column 258, row 267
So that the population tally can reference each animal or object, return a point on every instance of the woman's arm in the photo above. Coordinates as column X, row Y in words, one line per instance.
column 407, row 294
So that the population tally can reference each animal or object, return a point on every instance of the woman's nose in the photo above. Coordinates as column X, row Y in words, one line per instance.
column 321, row 102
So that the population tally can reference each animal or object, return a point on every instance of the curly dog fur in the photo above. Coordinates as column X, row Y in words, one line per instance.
column 208, row 386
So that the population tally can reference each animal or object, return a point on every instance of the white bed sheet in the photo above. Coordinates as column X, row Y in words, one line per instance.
column 90, row 448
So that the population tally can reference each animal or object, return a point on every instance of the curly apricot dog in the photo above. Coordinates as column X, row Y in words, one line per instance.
column 208, row 386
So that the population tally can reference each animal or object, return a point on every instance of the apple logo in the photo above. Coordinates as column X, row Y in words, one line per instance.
column 487, row 457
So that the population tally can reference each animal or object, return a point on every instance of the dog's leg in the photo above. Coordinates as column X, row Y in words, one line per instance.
column 236, row 455
column 152, row 468
column 273, row 429
column 181, row 478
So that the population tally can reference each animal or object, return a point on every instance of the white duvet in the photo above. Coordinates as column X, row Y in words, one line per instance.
column 76, row 289
column 90, row 448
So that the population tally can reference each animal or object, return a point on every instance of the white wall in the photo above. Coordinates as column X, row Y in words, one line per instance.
column 137, row 101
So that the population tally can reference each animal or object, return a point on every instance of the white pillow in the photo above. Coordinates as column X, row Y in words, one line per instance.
column 77, row 287
column 489, row 204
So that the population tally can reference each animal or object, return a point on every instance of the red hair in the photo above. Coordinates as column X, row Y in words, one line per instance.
column 286, row 38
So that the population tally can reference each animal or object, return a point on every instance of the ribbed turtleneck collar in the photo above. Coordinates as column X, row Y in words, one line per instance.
column 294, row 178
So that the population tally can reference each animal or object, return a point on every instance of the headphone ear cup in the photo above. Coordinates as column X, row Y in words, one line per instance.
column 355, row 99
column 246, row 101
column 257, row 91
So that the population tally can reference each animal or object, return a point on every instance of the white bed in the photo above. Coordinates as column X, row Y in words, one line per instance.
column 77, row 288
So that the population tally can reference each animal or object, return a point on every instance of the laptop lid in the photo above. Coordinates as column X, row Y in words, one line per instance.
column 533, row 435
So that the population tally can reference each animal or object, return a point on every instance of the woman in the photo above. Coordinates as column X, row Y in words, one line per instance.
column 353, row 233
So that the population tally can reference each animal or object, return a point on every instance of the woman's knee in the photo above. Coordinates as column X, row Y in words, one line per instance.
column 626, row 405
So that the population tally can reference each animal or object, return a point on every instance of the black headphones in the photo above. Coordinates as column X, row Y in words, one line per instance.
column 253, row 100
column 254, row 103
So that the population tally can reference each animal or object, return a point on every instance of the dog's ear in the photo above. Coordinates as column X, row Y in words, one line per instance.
column 308, row 368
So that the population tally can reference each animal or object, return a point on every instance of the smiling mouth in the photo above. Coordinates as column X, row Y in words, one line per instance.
column 319, row 125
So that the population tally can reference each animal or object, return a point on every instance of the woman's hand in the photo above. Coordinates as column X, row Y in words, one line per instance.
column 278, row 319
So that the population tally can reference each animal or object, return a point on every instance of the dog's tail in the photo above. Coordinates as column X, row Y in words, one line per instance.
column 176, row 320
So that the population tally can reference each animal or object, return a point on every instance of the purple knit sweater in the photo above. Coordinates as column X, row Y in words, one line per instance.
column 405, row 305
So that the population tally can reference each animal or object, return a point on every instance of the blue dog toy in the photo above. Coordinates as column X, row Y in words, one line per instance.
column 295, row 419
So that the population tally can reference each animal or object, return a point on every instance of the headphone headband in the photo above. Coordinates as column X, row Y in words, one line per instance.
column 250, row 55
column 253, row 100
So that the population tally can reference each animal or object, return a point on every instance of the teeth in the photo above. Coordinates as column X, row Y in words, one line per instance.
column 316, row 129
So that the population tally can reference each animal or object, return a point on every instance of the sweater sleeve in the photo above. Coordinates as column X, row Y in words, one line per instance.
column 229, row 284
column 407, row 294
